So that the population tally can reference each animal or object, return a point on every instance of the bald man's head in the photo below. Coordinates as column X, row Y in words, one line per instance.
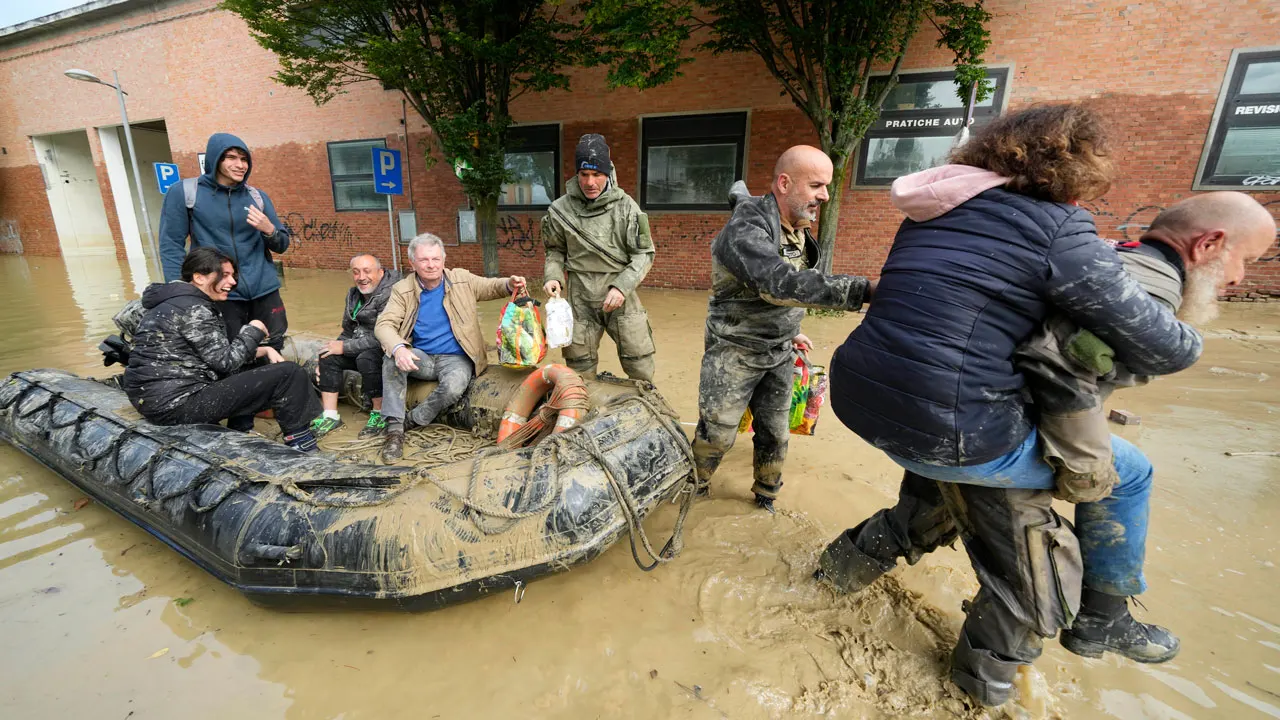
column 1216, row 234
column 800, row 180
column 366, row 273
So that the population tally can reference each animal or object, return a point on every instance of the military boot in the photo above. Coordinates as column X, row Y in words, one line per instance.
column 1105, row 625
column 846, row 567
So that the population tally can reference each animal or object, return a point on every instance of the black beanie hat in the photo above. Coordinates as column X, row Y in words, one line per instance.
column 592, row 154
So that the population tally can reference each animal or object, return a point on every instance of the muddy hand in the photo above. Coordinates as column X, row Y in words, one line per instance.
column 802, row 343
column 552, row 288
column 406, row 360
column 613, row 300
column 259, row 221
column 333, row 347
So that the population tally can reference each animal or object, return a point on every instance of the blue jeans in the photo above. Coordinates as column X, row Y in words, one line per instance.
column 1112, row 532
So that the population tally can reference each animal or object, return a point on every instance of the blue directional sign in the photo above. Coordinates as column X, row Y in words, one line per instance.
column 166, row 176
column 387, row 178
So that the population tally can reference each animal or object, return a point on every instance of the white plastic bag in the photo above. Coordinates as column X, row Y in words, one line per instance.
column 559, row 322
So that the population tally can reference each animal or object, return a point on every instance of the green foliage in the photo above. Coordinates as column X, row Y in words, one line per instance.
column 461, row 63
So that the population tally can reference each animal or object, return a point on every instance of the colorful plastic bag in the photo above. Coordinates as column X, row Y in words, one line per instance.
column 521, row 343
column 559, row 322
column 808, row 393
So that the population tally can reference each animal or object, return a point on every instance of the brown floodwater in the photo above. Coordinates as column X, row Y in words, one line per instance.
column 100, row 620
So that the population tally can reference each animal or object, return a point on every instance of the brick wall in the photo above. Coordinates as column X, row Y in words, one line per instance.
column 1155, row 69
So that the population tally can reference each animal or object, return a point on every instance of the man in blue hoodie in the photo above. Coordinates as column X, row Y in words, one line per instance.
column 237, row 219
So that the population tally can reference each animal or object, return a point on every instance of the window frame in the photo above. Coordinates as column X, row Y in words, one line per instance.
column 333, row 179
column 681, row 131
column 540, row 145
column 1223, row 119
column 999, row 101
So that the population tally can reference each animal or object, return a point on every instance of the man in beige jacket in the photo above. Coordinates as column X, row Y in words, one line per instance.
column 430, row 331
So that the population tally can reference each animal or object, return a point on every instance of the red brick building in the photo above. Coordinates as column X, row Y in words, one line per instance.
column 1193, row 90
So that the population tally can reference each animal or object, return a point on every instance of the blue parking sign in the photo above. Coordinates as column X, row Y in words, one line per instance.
column 166, row 176
column 387, row 178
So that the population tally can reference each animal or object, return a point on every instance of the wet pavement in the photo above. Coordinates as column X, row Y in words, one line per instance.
column 100, row 620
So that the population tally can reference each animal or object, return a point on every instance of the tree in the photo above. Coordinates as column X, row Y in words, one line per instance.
column 824, row 52
column 460, row 64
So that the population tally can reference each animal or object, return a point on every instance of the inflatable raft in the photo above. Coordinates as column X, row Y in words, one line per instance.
column 292, row 530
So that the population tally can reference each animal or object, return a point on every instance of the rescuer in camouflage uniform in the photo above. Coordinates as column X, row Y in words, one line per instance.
column 762, row 279
column 597, row 236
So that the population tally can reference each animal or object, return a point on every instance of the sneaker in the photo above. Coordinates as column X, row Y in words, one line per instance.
column 376, row 425
column 324, row 425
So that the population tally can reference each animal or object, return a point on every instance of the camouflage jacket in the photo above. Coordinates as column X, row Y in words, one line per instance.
column 607, row 236
column 758, row 295
column 180, row 347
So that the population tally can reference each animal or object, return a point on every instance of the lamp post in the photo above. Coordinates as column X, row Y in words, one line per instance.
column 86, row 76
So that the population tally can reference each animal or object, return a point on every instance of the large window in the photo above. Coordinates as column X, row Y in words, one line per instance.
column 690, row 162
column 918, row 124
column 533, row 159
column 1244, row 142
column 351, row 172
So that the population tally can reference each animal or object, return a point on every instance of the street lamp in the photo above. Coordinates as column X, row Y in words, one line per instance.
column 86, row 76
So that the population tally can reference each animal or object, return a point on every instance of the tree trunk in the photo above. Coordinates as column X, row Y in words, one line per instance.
column 487, row 229
column 829, row 219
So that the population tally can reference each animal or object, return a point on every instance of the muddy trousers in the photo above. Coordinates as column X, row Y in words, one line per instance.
column 368, row 363
column 1029, row 563
column 269, row 309
column 628, row 326
column 732, row 379
column 283, row 387
column 452, row 374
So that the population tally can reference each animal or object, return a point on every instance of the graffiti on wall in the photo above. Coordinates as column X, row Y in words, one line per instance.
column 10, row 241
column 304, row 230
column 1132, row 224
column 517, row 236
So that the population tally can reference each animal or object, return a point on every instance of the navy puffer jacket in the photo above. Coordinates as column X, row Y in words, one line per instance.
column 929, row 374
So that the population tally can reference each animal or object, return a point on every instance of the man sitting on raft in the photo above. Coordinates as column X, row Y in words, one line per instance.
column 181, row 368
column 430, row 331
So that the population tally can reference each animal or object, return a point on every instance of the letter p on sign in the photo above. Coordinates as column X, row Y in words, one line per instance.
column 166, row 176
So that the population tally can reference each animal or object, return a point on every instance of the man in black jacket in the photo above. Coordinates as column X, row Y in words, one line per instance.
column 180, row 369
column 762, row 278
column 356, row 348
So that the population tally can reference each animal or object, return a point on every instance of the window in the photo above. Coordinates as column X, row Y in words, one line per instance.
column 690, row 162
column 351, row 171
column 1243, row 150
column 919, row 122
column 533, row 159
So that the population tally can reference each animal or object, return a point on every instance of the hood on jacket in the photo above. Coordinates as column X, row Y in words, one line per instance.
column 612, row 193
column 738, row 193
column 218, row 145
column 935, row 192
column 157, row 293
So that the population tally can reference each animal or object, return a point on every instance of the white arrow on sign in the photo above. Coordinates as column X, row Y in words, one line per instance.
column 388, row 184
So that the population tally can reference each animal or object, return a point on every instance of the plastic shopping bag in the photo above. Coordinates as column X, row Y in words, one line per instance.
column 521, row 343
column 559, row 322
column 808, row 394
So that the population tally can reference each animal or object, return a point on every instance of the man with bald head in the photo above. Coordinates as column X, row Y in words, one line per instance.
column 1191, row 253
column 763, row 276
column 356, row 348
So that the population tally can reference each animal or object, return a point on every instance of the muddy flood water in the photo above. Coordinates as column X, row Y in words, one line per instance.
column 100, row 620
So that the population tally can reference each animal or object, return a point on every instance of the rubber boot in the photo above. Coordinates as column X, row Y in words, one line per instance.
column 846, row 567
column 1105, row 625
column 984, row 675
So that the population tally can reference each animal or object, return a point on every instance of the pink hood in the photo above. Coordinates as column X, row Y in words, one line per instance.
column 930, row 193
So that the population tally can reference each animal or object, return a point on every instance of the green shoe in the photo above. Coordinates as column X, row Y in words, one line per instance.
column 376, row 425
column 323, row 425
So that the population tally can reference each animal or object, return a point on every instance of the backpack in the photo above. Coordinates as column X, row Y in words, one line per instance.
column 189, row 194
